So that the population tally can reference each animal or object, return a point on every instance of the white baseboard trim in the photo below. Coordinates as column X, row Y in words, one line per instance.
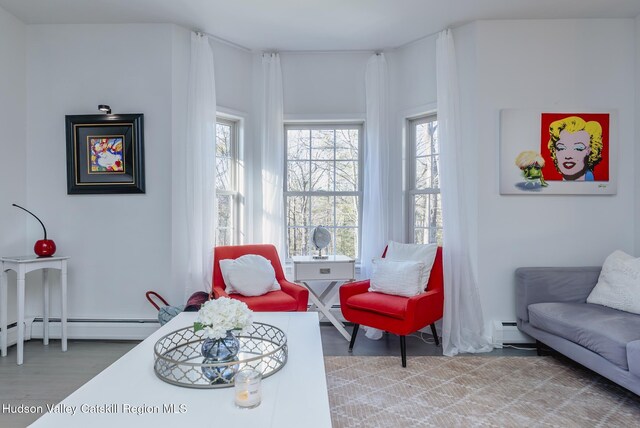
column 97, row 329
column 12, row 332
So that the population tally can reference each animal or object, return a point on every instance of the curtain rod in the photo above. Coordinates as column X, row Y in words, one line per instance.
column 302, row 52
column 294, row 52
column 435, row 33
column 371, row 51
column 343, row 51
column 224, row 41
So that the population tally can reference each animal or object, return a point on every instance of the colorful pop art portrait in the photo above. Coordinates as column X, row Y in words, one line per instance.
column 548, row 153
column 575, row 146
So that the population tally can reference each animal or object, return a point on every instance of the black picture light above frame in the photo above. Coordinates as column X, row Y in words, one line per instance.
column 105, row 153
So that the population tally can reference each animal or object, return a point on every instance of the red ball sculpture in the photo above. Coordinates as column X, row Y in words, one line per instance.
column 43, row 247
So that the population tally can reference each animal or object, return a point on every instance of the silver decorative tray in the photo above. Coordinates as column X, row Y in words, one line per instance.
column 178, row 360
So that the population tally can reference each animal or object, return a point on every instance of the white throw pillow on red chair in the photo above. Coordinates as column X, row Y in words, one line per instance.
column 400, row 278
column 424, row 253
column 249, row 275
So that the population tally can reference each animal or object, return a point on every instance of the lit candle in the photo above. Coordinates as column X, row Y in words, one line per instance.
column 247, row 388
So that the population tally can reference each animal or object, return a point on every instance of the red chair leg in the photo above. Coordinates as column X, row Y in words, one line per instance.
column 353, row 336
column 403, row 351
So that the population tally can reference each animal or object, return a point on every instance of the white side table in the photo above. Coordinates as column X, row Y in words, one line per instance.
column 23, row 265
column 334, row 269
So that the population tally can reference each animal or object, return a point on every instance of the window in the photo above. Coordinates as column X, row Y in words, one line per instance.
column 226, row 181
column 424, row 181
column 322, row 186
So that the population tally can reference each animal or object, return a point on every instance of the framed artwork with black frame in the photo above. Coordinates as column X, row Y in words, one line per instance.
column 105, row 154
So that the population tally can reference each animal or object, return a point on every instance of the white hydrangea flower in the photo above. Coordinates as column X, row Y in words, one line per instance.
column 221, row 315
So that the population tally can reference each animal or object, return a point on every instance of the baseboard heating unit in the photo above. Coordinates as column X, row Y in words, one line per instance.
column 507, row 333
column 100, row 329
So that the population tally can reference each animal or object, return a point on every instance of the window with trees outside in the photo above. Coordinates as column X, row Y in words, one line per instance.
column 424, row 181
column 322, row 186
column 226, row 181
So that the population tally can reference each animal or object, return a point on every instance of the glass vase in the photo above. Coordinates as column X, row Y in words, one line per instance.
column 224, row 350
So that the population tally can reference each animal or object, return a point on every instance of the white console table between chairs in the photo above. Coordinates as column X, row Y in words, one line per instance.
column 334, row 269
column 23, row 265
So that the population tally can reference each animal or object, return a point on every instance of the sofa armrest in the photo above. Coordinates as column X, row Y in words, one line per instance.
column 553, row 284
column 633, row 357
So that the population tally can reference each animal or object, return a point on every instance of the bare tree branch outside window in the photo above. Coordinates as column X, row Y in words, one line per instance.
column 226, row 189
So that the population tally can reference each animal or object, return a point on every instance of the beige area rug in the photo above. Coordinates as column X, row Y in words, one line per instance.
column 474, row 391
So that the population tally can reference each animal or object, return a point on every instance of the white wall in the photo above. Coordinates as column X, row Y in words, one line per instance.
column 181, row 55
column 235, row 96
column 324, row 85
column 637, row 140
column 13, row 123
column 413, row 69
column 412, row 92
column 552, row 65
column 317, row 87
column 120, row 245
column 233, row 69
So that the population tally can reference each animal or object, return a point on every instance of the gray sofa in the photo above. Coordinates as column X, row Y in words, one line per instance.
column 551, row 307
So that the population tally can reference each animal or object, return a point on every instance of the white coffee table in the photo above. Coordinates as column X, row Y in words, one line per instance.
column 295, row 396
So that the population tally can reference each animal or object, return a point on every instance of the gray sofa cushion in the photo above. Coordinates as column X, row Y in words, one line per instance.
column 602, row 330
column 633, row 357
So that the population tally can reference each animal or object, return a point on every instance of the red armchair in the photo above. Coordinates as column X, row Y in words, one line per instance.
column 290, row 298
column 395, row 314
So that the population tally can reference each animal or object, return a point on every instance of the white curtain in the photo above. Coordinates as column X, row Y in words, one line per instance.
column 201, row 163
column 463, row 326
column 375, row 198
column 272, row 153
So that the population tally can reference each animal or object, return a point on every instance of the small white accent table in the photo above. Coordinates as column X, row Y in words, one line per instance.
column 336, row 269
column 23, row 265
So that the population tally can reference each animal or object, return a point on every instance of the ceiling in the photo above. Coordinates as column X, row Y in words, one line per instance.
column 310, row 25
